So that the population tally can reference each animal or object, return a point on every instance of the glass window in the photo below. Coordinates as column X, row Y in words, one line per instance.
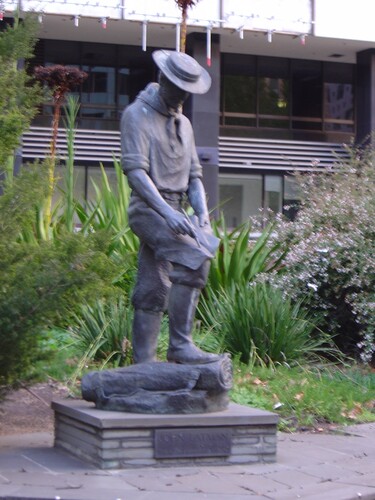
column 339, row 97
column 338, row 72
column 273, row 96
column 239, row 97
column 338, row 107
column 58, row 52
column 98, row 54
column 292, row 197
column 99, row 87
column 273, row 198
column 240, row 197
column 307, row 94
column 123, row 87
column 238, row 90
column 98, row 91
column 273, row 92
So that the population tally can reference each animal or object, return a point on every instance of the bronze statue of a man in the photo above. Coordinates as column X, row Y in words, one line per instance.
column 160, row 160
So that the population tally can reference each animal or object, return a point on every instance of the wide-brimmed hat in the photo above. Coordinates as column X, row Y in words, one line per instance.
column 183, row 71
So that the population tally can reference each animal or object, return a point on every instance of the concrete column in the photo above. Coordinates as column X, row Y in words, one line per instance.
column 203, row 111
column 365, row 96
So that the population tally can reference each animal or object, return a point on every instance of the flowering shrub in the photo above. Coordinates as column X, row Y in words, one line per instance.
column 331, row 258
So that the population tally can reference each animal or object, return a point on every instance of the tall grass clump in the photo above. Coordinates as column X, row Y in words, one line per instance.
column 101, row 331
column 257, row 324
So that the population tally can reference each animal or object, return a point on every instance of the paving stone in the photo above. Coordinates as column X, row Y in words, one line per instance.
column 329, row 472
column 253, row 469
column 56, row 459
column 359, row 479
column 293, row 478
column 350, row 445
column 298, row 453
column 203, row 482
column 328, row 491
column 363, row 466
column 258, row 484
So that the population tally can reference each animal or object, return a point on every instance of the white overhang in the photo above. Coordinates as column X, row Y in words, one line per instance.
column 304, row 29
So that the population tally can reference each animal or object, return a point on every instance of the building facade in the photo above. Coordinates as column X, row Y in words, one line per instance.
column 293, row 80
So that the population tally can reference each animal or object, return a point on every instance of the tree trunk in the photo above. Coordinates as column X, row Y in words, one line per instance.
column 183, row 31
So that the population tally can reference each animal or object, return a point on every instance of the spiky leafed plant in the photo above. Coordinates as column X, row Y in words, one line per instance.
column 61, row 80
column 184, row 5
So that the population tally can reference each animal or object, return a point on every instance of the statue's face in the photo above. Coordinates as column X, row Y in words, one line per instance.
column 173, row 96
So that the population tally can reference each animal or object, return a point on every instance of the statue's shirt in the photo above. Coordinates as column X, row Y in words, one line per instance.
column 162, row 143
column 159, row 141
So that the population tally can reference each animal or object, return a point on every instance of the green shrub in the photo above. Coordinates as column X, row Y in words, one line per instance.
column 19, row 95
column 41, row 283
column 256, row 323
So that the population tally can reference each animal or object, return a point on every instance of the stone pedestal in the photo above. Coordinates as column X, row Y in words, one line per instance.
column 119, row 440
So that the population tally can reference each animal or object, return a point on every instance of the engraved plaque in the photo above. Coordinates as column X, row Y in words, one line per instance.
column 190, row 443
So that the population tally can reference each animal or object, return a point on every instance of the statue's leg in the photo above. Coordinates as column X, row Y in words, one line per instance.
column 183, row 301
column 150, row 301
column 146, row 328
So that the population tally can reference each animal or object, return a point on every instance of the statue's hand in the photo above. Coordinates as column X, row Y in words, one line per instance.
column 179, row 223
column 203, row 219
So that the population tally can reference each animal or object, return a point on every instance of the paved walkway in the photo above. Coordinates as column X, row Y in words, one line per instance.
column 310, row 466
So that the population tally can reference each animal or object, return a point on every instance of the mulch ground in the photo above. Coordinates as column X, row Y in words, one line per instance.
column 28, row 409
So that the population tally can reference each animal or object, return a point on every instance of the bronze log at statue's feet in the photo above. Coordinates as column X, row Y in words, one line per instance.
column 161, row 388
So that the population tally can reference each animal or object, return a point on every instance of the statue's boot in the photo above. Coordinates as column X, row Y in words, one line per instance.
column 146, row 328
column 182, row 305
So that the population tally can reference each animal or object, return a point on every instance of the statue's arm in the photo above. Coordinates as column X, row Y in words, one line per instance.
column 197, row 199
column 140, row 182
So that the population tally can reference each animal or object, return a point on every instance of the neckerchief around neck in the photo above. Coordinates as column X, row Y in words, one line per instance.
column 152, row 98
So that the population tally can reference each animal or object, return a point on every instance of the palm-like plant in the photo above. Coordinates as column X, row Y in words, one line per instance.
column 240, row 260
column 184, row 5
